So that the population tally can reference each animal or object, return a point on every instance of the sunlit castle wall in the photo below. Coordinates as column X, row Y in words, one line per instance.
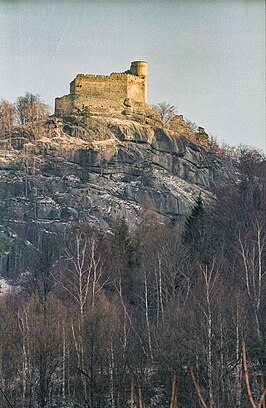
column 100, row 92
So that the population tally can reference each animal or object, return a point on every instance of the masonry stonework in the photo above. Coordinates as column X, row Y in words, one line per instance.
column 114, row 93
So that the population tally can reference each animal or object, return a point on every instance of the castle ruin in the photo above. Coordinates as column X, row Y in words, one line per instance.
column 119, row 92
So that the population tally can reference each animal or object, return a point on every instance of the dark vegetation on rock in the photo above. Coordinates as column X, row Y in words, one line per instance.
column 135, row 247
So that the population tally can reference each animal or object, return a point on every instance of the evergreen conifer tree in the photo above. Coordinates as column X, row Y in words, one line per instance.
column 193, row 230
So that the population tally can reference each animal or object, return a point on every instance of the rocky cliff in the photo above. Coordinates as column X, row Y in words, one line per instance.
column 92, row 170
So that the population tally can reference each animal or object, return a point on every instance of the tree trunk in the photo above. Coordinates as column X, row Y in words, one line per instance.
column 147, row 314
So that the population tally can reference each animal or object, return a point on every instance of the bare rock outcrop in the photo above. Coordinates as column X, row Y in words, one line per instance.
column 94, row 170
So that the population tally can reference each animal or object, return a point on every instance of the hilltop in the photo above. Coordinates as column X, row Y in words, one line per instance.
column 93, row 169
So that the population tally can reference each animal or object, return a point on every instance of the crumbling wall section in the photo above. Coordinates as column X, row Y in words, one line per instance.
column 64, row 106
column 136, row 88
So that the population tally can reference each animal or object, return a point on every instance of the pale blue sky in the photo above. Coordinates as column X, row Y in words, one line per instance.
column 207, row 58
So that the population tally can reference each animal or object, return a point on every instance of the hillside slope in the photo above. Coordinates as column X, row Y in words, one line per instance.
column 92, row 170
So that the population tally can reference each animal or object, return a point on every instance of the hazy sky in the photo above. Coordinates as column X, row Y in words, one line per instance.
column 207, row 58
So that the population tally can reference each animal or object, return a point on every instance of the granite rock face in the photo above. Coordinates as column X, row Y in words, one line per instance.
column 95, row 170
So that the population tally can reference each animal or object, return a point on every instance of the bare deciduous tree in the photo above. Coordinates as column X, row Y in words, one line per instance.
column 7, row 115
column 30, row 109
column 165, row 111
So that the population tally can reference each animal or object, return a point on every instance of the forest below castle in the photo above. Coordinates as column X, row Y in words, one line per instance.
column 160, row 315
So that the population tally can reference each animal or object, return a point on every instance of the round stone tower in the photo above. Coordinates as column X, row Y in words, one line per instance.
column 139, row 68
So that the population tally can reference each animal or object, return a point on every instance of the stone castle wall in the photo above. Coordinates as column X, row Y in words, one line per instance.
column 100, row 92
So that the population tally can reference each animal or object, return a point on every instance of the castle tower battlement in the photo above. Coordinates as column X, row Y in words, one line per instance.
column 110, row 93
column 139, row 68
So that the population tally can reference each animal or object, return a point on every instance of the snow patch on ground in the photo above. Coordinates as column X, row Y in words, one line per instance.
column 5, row 288
column 179, row 187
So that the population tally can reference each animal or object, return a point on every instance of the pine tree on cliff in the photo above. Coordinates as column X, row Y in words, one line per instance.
column 193, row 230
column 197, row 237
